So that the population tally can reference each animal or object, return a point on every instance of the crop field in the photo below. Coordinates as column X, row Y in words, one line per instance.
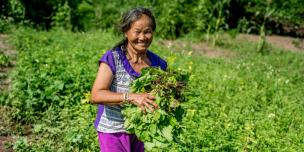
column 241, row 101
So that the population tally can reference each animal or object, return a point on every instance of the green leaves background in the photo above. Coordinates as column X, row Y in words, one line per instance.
column 243, row 102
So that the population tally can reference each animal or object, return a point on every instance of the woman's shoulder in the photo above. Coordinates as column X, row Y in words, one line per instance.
column 156, row 60
column 110, row 54
column 108, row 58
column 107, row 55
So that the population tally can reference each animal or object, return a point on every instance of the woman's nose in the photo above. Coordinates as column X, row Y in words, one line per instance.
column 141, row 36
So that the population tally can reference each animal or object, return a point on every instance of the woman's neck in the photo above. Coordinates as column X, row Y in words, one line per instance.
column 134, row 56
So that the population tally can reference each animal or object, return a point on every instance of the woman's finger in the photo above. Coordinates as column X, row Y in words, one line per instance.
column 152, row 103
column 148, row 106
column 143, row 109
column 150, row 96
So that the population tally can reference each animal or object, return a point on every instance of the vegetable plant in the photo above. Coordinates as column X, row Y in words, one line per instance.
column 161, row 127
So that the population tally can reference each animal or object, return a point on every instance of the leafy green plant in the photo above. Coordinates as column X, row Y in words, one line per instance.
column 246, row 101
column 261, row 48
column 298, row 43
column 4, row 24
column 163, row 126
column 62, row 18
column 4, row 59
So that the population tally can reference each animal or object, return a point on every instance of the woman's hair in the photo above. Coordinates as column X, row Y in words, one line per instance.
column 130, row 17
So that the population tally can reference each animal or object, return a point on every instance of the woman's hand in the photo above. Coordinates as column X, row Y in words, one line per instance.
column 143, row 100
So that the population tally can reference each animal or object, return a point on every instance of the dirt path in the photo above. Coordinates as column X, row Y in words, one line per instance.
column 284, row 42
column 6, row 124
column 201, row 48
column 11, row 53
column 6, row 129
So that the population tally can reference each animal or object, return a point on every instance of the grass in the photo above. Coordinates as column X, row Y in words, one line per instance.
column 247, row 102
column 4, row 59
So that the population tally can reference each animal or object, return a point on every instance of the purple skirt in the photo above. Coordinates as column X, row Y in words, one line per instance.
column 119, row 142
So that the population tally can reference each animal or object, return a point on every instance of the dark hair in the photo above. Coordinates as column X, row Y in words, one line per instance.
column 131, row 16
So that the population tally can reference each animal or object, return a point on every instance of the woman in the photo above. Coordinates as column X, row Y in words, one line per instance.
column 118, row 67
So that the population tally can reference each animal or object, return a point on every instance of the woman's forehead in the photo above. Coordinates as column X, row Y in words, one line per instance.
column 143, row 22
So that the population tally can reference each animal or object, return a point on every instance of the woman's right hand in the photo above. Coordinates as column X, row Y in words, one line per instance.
column 143, row 100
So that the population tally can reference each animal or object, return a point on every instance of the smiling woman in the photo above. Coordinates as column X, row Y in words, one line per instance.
column 139, row 38
column 140, row 35
column 118, row 67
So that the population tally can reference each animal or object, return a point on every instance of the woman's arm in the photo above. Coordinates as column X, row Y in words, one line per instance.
column 100, row 91
column 101, row 94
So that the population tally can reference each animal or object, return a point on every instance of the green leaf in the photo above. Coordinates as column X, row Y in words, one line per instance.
column 145, row 136
column 158, row 100
column 153, row 129
column 149, row 145
column 156, row 116
column 172, row 121
column 167, row 133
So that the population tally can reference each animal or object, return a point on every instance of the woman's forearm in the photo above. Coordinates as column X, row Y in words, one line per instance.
column 106, row 97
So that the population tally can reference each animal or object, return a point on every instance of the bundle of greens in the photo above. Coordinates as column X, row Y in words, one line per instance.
column 159, row 128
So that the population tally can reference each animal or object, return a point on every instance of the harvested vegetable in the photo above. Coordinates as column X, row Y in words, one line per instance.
column 162, row 127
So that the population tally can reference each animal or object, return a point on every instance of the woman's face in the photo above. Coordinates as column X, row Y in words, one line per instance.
column 140, row 34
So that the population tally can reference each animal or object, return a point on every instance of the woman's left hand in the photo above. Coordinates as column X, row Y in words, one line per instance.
column 143, row 100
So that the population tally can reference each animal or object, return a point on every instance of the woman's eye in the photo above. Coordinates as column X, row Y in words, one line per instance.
column 148, row 31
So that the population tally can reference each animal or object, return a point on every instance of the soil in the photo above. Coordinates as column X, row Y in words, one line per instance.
column 203, row 48
column 284, row 42
column 3, row 141
column 7, row 125
column 6, row 129
column 5, row 70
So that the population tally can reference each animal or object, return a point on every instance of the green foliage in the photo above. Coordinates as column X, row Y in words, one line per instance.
column 54, row 70
column 286, row 10
column 21, row 145
column 11, row 12
column 170, row 18
column 4, row 59
column 160, row 128
column 50, row 81
column 246, row 102
column 62, row 18
column 4, row 24
column 84, row 13
column 175, row 18
column 16, row 10
column 279, row 17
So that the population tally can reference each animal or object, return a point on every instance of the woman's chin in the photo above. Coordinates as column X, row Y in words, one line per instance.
column 141, row 49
